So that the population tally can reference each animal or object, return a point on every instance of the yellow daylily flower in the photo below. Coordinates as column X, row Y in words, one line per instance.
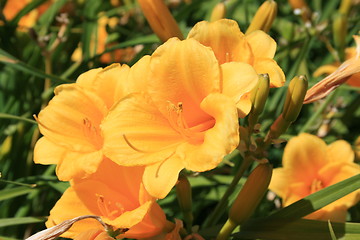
column 117, row 196
column 348, row 71
column 187, row 118
column 71, row 122
column 310, row 165
column 231, row 45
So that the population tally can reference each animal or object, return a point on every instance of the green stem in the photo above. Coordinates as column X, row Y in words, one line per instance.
column 226, row 230
column 318, row 112
column 221, row 206
column 9, row 116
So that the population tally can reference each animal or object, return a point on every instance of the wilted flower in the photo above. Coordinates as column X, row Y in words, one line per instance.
column 348, row 71
column 186, row 119
column 309, row 165
column 71, row 122
column 116, row 194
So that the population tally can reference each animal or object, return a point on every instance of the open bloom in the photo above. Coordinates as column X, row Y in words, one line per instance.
column 349, row 72
column 71, row 122
column 310, row 165
column 116, row 194
column 231, row 45
column 187, row 118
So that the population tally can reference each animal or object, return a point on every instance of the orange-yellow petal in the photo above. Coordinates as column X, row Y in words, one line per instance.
column 278, row 184
column 340, row 151
column 238, row 80
column 183, row 72
column 262, row 45
column 47, row 152
column 159, row 178
column 136, row 133
column 72, row 119
column 304, row 156
column 219, row 140
column 69, row 206
column 269, row 66
column 325, row 69
column 93, row 234
column 224, row 38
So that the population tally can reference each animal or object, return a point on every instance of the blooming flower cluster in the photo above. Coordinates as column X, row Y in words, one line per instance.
column 121, row 135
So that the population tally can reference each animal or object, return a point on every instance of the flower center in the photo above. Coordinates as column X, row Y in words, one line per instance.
column 193, row 135
column 108, row 208
column 316, row 185
column 92, row 133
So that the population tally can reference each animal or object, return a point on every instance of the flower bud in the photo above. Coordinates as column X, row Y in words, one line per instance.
column 160, row 19
column 218, row 12
column 264, row 17
column 294, row 98
column 251, row 193
column 184, row 195
column 339, row 26
column 258, row 98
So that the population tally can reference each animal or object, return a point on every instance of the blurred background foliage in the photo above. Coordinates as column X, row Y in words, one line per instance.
column 69, row 37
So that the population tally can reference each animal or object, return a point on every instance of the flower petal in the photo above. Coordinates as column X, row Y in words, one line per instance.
column 224, row 38
column 340, row 151
column 278, row 185
column 47, row 152
column 160, row 178
column 93, row 234
column 183, row 72
column 136, row 133
column 238, row 79
column 262, row 45
column 269, row 66
column 304, row 156
column 70, row 206
column 219, row 140
column 72, row 119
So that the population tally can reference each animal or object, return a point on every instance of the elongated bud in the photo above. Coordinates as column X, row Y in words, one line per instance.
column 293, row 104
column 345, row 6
column 258, row 98
column 248, row 199
column 294, row 98
column 264, row 17
column 251, row 194
column 218, row 12
column 160, row 19
column 184, row 195
column 339, row 26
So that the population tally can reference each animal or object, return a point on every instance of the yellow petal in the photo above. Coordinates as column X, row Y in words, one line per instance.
column 159, row 178
column 219, row 140
column 136, row 133
column 304, row 156
column 244, row 105
column 325, row 69
column 78, row 164
column 269, row 66
column 72, row 119
column 262, row 45
column 183, row 72
column 280, row 181
column 225, row 39
column 238, row 79
column 340, row 151
column 47, row 152
column 69, row 206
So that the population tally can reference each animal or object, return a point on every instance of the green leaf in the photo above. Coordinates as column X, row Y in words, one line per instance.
column 318, row 199
column 298, row 230
column 4, row 222
column 15, row 192
column 11, row 61
column 8, row 238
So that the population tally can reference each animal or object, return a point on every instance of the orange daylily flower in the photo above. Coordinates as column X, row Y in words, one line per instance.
column 116, row 194
column 12, row 8
column 231, row 45
column 186, row 119
column 310, row 165
column 93, row 234
column 349, row 72
column 71, row 122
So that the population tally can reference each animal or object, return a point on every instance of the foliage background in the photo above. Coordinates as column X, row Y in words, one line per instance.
column 28, row 191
